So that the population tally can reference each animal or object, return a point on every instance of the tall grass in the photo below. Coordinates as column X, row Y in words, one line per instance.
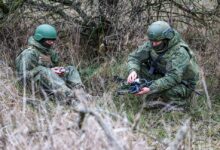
column 109, row 119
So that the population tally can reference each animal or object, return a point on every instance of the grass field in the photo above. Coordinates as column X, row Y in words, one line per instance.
column 45, row 125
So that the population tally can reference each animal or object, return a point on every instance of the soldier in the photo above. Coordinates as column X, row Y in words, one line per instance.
column 166, row 60
column 39, row 63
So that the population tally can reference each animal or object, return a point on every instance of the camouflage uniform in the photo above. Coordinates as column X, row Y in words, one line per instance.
column 176, row 66
column 35, row 63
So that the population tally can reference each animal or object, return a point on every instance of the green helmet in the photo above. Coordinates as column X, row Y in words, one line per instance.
column 160, row 30
column 45, row 31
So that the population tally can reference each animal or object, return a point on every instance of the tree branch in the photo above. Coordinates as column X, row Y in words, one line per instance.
column 82, row 110
column 76, row 6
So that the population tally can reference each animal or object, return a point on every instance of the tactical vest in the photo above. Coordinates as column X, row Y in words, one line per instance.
column 155, row 68
column 43, row 59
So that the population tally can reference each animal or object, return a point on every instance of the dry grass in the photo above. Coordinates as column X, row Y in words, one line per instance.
column 108, row 124
column 51, row 126
column 27, row 127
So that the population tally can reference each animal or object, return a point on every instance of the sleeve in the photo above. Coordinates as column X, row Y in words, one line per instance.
column 55, row 58
column 26, row 64
column 174, row 71
column 137, row 57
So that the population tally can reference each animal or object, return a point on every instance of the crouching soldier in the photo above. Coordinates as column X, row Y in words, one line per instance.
column 39, row 63
column 166, row 60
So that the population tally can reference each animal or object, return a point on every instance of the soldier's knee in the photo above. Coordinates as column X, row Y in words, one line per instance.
column 70, row 68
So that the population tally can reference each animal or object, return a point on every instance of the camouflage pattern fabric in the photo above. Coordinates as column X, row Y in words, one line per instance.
column 35, row 63
column 177, row 65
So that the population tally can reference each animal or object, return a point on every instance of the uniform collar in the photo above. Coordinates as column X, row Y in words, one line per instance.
column 40, row 47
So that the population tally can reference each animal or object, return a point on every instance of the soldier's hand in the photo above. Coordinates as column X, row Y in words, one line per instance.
column 58, row 70
column 144, row 90
column 132, row 76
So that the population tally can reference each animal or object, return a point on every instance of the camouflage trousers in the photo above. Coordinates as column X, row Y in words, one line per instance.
column 179, row 93
column 53, row 84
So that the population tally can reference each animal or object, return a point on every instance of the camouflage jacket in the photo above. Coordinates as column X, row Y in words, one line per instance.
column 35, row 56
column 178, row 64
